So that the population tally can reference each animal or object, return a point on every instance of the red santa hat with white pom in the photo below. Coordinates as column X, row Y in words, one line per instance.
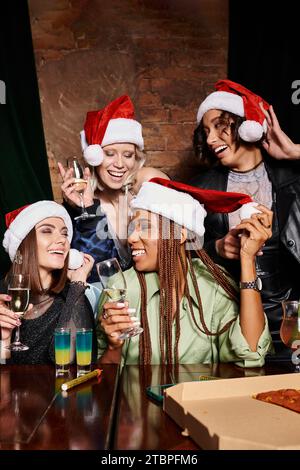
column 21, row 221
column 113, row 124
column 183, row 203
column 236, row 99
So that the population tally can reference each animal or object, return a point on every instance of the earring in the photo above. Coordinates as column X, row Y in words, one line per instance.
column 18, row 258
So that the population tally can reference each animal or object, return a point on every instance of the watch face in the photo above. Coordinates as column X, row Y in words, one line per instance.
column 259, row 283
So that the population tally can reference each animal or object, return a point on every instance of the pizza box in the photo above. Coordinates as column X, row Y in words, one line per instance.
column 222, row 414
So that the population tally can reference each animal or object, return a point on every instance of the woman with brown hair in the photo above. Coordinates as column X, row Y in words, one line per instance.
column 38, row 240
column 188, row 307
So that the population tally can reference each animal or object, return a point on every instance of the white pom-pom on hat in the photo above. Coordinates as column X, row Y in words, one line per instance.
column 251, row 131
column 76, row 259
column 93, row 154
column 247, row 210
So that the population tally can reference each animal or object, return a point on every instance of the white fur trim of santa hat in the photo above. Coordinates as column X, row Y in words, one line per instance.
column 249, row 131
column 174, row 205
column 26, row 220
column 119, row 130
column 221, row 100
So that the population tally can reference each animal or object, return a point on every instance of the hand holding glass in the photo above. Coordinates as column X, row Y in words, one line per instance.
column 19, row 290
column 114, row 285
column 79, row 186
column 290, row 329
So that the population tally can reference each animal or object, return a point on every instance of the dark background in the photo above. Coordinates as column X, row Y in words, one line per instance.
column 264, row 55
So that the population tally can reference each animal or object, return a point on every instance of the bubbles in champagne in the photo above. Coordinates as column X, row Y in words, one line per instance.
column 116, row 295
column 19, row 299
column 79, row 185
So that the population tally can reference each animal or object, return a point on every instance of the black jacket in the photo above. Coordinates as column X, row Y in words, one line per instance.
column 281, row 259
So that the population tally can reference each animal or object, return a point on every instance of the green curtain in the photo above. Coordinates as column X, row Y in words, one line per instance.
column 24, row 171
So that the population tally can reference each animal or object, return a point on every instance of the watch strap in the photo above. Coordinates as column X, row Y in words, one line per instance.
column 250, row 285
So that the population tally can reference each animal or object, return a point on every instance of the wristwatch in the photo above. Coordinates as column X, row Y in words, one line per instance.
column 256, row 284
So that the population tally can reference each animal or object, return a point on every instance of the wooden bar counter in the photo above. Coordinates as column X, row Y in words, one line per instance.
column 36, row 415
column 111, row 414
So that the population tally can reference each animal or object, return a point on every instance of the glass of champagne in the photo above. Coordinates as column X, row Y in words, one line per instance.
column 79, row 186
column 114, row 285
column 19, row 290
column 290, row 329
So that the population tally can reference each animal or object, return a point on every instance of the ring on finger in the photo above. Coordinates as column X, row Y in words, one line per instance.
column 105, row 315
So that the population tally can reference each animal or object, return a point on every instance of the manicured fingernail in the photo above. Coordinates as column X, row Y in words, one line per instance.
column 120, row 304
column 134, row 318
column 114, row 335
column 136, row 323
column 131, row 310
column 7, row 297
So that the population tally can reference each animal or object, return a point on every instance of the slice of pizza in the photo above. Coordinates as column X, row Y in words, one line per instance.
column 286, row 397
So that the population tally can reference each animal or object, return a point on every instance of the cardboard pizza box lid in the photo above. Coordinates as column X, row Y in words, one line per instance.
column 222, row 414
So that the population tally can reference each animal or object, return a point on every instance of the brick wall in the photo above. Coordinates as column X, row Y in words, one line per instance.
column 165, row 54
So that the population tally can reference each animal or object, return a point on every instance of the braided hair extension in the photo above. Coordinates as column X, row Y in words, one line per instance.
column 169, row 248
column 162, row 300
column 195, row 284
column 145, row 348
column 168, row 262
column 205, row 330
column 219, row 275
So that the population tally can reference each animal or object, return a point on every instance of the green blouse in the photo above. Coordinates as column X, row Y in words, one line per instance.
column 194, row 346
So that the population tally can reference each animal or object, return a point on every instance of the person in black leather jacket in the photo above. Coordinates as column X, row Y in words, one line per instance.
column 233, row 160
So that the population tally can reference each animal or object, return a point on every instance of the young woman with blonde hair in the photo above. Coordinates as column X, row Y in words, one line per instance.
column 112, row 144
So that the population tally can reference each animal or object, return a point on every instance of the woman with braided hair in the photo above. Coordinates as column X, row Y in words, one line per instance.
column 188, row 307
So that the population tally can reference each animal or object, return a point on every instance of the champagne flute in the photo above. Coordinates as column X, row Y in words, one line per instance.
column 19, row 290
column 114, row 285
column 290, row 329
column 79, row 186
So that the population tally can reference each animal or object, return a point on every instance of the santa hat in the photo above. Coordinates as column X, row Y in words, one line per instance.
column 182, row 203
column 21, row 221
column 238, row 100
column 112, row 124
